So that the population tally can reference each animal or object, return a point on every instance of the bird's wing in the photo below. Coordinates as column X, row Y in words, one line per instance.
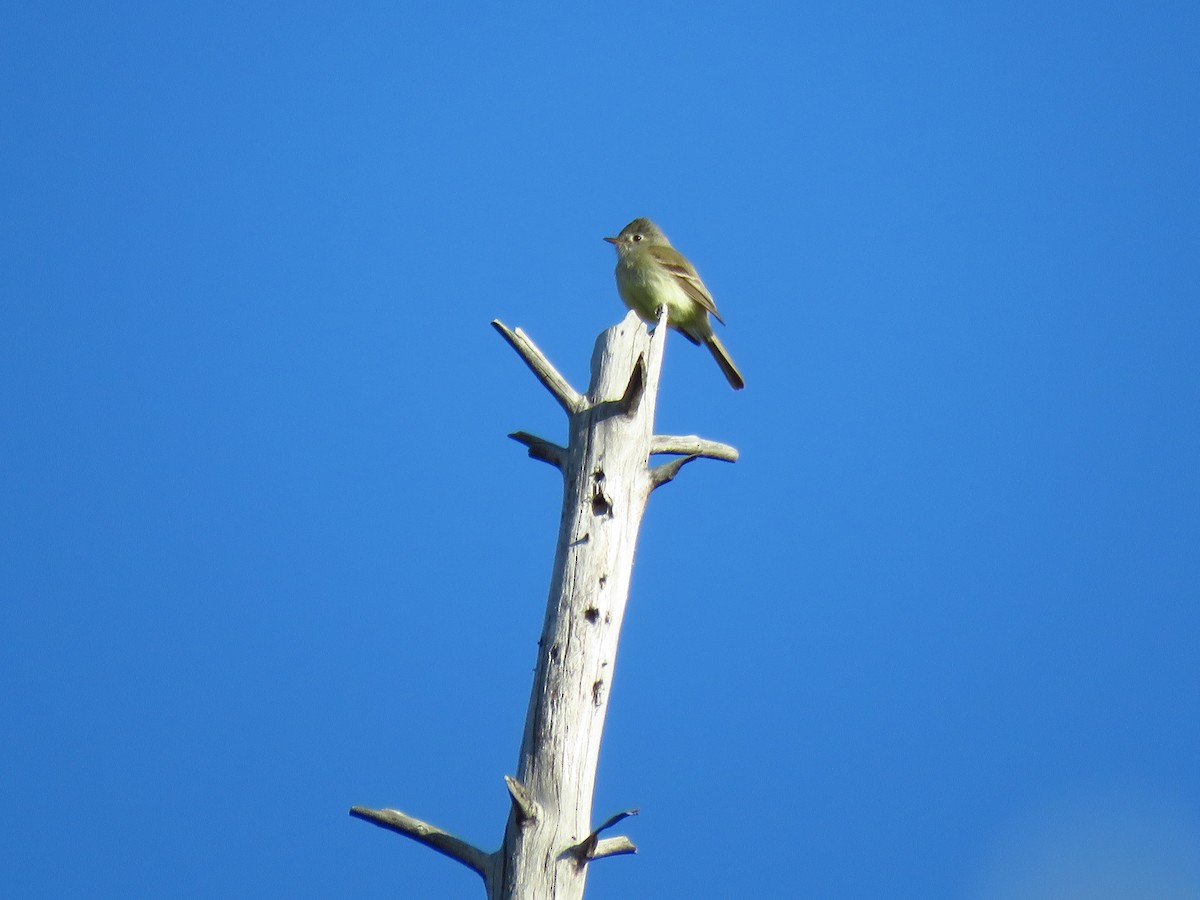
column 689, row 279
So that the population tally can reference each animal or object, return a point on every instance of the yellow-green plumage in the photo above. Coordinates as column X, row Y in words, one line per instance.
column 651, row 273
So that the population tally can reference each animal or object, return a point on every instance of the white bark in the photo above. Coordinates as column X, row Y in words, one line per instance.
column 606, row 484
column 549, row 840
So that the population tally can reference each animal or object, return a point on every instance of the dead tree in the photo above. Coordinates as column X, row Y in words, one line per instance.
column 549, row 839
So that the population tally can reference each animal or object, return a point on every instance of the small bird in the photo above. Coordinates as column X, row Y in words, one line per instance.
column 651, row 273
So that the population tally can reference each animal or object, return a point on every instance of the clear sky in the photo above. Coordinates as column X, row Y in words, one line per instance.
column 267, row 552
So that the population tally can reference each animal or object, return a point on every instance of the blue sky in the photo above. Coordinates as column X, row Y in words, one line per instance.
column 267, row 552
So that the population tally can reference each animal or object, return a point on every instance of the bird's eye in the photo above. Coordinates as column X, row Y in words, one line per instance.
column 637, row 237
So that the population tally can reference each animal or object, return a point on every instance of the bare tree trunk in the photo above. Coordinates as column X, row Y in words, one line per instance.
column 549, row 841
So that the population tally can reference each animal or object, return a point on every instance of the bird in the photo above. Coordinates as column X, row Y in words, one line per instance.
column 651, row 273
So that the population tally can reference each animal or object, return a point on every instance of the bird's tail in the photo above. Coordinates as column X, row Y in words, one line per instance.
column 721, row 355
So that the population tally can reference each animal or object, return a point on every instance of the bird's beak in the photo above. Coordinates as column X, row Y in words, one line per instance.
column 613, row 240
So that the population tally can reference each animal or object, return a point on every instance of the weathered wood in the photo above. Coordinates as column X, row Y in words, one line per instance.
column 692, row 446
column 606, row 484
column 607, row 479
column 568, row 398
column 429, row 835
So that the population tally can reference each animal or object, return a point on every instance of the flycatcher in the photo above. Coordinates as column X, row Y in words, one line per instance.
column 651, row 273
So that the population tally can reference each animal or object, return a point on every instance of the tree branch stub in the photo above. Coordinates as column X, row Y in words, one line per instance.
column 429, row 835
column 691, row 445
column 567, row 397
column 542, row 449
